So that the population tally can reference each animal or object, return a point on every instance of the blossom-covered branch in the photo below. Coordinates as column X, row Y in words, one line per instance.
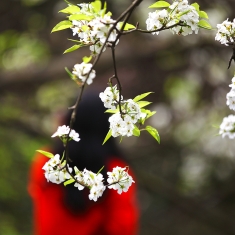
column 94, row 28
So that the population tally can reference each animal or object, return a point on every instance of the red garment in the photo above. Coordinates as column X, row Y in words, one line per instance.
column 114, row 215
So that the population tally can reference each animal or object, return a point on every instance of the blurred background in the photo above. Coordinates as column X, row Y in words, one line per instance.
column 186, row 184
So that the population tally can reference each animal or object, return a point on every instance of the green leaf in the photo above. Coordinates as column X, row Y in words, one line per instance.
column 100, row 170
column 136, row 131
column 69, row 3
column 203, row 14
column 111, row 110
column 150, row 114
column 140, row 97
column 85, row 28
column 160, row 4
column 153, row 132
column 80, row 17
column 70, row 181
column 183, row 13
column 109, row 134
column 204, row 24
column 70, row 10
column 75, row 41
column 143, row 103
column 127, row 26
column 73, row 48
column 86, row 59
column 45, row 153
column 62, row 25
column 69, row 73
column 109, row 13
column 96, row 5
column 196, row 6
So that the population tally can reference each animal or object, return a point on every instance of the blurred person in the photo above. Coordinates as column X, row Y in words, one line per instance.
column 64, row 210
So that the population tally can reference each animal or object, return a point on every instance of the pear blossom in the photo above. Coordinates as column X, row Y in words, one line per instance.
column 182, row 12
column 119, row 179
column 226, row 32
column 231, row 99
column 110, row 97
column 63, row 131
column 82, row 70
column 94, row 32
column 91, row 180
column 55, row 170
column 232, row 85
column 227, row 127
column 121, row 123
column 156, row 20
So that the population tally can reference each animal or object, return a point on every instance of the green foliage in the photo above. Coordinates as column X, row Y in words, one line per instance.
column 160, row 4
column 100, row 170
column 153, row 132
column 45, row 153
column 69, row 73
column 127, row 26
column 203, row 14
column 140, row 97
column 80, row 17
column 143, row 103
column 196, row 6
column 87, row 59
column 97, row 5
column 70, row 181
column 70, row 10
column 109, row 134
column 136, row 131
column 112, row 111
column 73, row 48
column 65, row 24
column 204, row 24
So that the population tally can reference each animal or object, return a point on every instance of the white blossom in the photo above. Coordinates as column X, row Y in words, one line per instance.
column 110, row 97
column 82, row 70
column 119, row 179
column 181, row 11
column 190, row 19
column 226, row 32
column 94, row 32
column 121, row 123
column 232, row 85
column 156, row 20
column 231, row 99
column 55, row 170
column 74, row 135
column 63, row 131
column 227, row 127
column 91, row 180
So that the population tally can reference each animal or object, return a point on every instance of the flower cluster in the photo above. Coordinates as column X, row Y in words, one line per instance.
column 84, row 73
column 90, row 180
column 227, row 127
column 231, row 95
column 156, row 20
column 110, row 97
column 226, row 32
column 119, row 179
column 179, row 12
column 55, row 170
column 63, row 132
column 94, row 32
column 122, row 123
